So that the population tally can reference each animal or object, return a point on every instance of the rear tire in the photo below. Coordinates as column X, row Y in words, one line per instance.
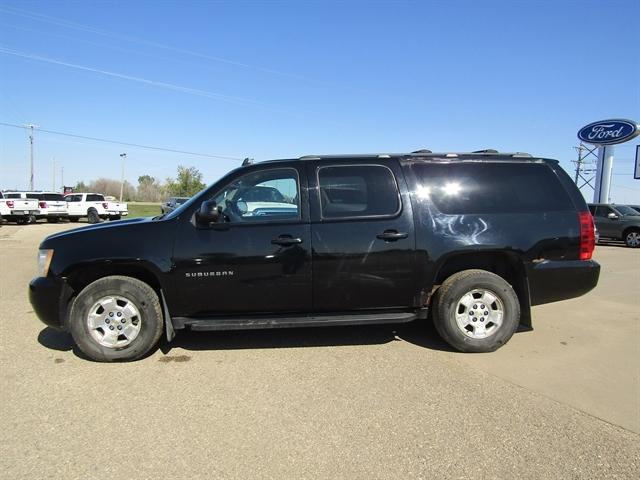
column 476, row 311
column 632, row 238
column 112, row 302
column 92, row 216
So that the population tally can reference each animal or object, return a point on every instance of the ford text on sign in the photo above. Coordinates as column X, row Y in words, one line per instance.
column 609, row 132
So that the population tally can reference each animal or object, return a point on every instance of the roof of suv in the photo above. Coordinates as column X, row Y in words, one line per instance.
column 488, row 155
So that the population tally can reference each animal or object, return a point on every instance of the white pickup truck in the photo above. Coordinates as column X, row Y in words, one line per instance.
column 51, row 205
column 19, row 210
column 94, row 207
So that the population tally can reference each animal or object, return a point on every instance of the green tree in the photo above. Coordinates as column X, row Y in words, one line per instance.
column 149, row 189
column 81, row 187
column 187, row 183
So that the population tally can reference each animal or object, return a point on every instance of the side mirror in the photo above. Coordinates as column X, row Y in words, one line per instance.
column 613, row 216
column 208, row 213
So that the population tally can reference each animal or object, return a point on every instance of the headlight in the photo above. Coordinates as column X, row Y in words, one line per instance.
column 44, row 260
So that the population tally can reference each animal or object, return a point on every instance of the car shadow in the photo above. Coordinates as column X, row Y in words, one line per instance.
column 59, row 340
column 610, row 243
column 421, row 333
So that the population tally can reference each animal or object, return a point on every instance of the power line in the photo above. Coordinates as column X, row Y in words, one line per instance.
column 127, row 144
column 170, row 86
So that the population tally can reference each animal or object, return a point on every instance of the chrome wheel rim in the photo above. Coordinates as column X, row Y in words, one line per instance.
column 114, row 321
column 479, row 313
column 633, row 239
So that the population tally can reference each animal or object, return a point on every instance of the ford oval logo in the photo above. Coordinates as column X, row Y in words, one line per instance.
column 609, row 132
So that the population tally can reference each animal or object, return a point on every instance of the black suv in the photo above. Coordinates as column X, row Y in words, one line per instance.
column 619, row 222
column 473, row 238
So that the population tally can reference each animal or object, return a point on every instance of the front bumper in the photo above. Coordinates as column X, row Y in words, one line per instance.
column 555, row 280
column 49, row 298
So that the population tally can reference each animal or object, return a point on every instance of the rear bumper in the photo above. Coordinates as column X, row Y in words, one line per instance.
column 23, row 213
column 49, row 298
column 552, row 281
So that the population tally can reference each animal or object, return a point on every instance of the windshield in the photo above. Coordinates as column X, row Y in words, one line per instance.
column 624, row 210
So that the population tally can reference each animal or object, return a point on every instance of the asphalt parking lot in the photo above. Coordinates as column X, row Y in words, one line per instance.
column 562, row 401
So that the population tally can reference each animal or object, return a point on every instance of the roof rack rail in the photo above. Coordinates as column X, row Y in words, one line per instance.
column 486, row 150
column 424, row 150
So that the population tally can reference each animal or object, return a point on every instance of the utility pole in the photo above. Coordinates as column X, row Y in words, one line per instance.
column 123, row 156
column 62, row 178
column 580, row 149
column 53, row 181
column 31, row 126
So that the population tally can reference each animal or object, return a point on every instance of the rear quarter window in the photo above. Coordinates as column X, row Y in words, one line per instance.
column 477, row 188
column 95, row 198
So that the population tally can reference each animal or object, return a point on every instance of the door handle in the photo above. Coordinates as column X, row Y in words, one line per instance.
column 286, row 240
column 391, row 235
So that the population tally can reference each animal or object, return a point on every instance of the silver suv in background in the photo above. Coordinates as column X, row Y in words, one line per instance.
column 618, row 222
column 172, row 203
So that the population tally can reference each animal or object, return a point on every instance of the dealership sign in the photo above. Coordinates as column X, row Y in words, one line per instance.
column 609, row 132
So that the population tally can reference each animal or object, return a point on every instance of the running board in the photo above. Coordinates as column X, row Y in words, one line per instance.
column 244, row 323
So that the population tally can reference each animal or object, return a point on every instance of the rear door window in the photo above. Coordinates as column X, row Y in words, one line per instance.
column 53, row 197
column 348, row 191
column 477, row 188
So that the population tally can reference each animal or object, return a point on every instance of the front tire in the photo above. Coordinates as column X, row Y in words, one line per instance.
column 632, row 238
column 116, row 318
column 476, row 311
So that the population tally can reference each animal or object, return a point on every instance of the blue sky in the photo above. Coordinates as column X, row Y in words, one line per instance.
column 288, row 78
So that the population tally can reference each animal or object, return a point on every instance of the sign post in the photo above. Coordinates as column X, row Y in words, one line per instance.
column 605, row 134
column 636, row 172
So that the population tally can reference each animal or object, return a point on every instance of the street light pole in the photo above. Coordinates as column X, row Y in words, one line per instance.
column 123, row 156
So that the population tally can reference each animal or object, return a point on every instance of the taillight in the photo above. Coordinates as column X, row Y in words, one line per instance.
column 105, row 205
column 587, row 235
column 42, row 204
column 10, row 203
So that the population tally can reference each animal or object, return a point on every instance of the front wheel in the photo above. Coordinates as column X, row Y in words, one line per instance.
column 116, row 318
column 632, row 239
column 476, row 311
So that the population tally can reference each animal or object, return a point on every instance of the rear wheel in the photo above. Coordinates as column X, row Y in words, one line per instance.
column 116, row 318
column 476, row 311
column 632, row 238
column 92, row 216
